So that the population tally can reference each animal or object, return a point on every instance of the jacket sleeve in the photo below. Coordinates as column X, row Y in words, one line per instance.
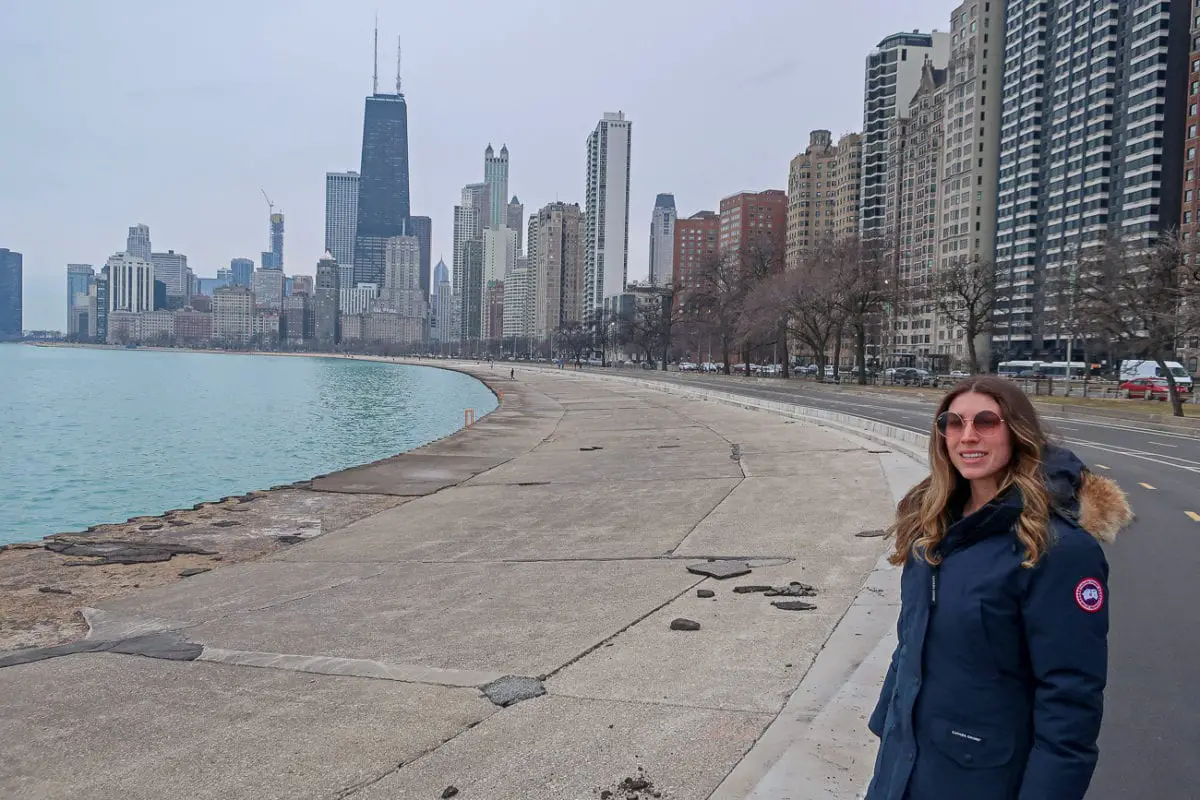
column 1065, row 617
column 879, row 715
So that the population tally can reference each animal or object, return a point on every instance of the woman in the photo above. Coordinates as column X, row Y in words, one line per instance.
column 995, row 691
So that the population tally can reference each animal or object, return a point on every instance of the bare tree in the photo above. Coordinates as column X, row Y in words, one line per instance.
column 763, row 323
column 575, row 338
column 859, row 266
column 965, row 294
column 813, row 293
column 1145, row 297
column 715, row 303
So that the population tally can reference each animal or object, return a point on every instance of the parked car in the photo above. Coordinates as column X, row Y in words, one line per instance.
column 688, row 366
column 959, row 374
column 1153, row 387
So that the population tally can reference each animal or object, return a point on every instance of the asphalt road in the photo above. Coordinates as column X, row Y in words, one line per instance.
column 1150, row 742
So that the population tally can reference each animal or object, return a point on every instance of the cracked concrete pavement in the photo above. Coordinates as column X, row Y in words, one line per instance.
column 550, row 541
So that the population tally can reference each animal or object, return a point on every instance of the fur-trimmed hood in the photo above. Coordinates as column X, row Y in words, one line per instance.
column 1097, row 504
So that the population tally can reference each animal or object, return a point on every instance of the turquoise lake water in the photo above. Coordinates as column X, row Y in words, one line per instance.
column 96, row 436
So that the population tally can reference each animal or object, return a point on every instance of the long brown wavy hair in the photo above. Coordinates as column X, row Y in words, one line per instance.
column 922, row 518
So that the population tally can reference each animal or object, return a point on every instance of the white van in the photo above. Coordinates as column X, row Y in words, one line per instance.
column 1131, row 369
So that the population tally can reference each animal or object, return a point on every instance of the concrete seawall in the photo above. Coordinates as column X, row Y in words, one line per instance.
column 549, row 543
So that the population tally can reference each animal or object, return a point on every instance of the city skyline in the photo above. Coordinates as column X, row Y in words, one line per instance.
column 213, row 210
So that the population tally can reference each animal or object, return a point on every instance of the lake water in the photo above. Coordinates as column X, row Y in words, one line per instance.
column 96, row 436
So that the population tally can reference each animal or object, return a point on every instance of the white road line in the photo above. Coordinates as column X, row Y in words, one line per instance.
column 1117, row 427
column 1138, row 455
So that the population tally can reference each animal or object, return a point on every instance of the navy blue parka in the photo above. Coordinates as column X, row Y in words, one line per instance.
column 996, row 687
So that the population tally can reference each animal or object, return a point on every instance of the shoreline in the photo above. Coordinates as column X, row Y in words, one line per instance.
column 46, row 582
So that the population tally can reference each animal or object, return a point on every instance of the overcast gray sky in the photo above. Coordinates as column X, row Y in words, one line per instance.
column 176, row 114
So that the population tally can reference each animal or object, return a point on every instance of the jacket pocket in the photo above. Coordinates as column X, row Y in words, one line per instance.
column 972, row 745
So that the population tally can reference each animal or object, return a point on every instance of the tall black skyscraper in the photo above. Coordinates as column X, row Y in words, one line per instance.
column 10, row 295
column 422, row 228
column 383, row 204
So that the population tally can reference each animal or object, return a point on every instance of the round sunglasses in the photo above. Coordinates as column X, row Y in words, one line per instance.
column 985, row 423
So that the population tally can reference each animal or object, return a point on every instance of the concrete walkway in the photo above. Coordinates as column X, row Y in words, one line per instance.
column 549, row 541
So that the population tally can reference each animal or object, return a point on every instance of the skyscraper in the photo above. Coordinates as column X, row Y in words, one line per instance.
column 495, row 176
column 555, row 285
column 273, row 258
column 1091, row 142
column 243, row 271
column 823, row 189
column 422, row 229
column 383, row 198
column 130, row 284
column 80, row 278
column 662, row 239
column 11, row 295
column 893, row 73
column 606, row 264
column 471, row 293
column 268, row 286
column 516, row 221
column 172, row 269
column 469, row 220
column 325, row 303
column 341, row 215
column 441, row 273
column 499, row 253
column 138, row 242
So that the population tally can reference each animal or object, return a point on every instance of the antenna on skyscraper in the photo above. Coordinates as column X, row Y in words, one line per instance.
column 375, row 73
column 397, row 65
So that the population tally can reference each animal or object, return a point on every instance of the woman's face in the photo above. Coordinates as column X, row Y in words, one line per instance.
column 978, row 440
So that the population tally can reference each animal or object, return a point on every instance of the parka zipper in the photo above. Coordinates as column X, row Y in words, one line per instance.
column 933, row 585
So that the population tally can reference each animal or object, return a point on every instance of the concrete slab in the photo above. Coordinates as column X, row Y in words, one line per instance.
column 107, row 727
column 514, row 618
column 237, row 588
column 803, row 518
column 406, row 475
column 615, row 466
column 747, row 655
column 555, row 748
column 607, row 520
column 613, row 420
column 832, row 469
column 693, row 437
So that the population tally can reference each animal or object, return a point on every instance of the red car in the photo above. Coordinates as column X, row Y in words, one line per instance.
column 1140, row 388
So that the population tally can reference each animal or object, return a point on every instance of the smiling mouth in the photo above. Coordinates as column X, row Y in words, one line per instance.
column 971, row 456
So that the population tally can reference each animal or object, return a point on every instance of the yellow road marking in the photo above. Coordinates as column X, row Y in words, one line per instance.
column 1195, row 517
column 1146, row 486
column 1101, row 466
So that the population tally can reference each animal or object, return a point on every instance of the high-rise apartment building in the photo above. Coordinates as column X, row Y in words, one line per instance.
column 302, row 284
column 606, row 246
column 970, row 167
column 912, row 224
column 11, row 294
column 80, row 278
column 1189, row 217
column 499, row 253
column 557, row 273
column 662, row 240
column 242, row 270
column 233, row 315
column 516, row 221
column 383, row 191
column 1094, row 100
column 471, row 293
column 518, row 308
column 402, row 293
column 893, row 73
column 130, row 284
column 326, row 296
column 695, row 245
column 358, row 299
column 341, row 215
column 754, row 225
column 137, row 244
column 495, row 177
column 268, row 288
column 469, row 223
column 172, row 269
column 823, row 189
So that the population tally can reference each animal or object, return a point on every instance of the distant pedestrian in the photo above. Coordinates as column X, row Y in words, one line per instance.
column 996, row 687
column 512, row 373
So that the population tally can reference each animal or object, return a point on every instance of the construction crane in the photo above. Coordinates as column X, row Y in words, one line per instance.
column 270, row 205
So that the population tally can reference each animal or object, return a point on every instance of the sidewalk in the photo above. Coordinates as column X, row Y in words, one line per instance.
column 550, row 542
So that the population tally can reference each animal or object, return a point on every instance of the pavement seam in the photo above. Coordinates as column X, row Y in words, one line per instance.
column 749, row 712
column 608, row 639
